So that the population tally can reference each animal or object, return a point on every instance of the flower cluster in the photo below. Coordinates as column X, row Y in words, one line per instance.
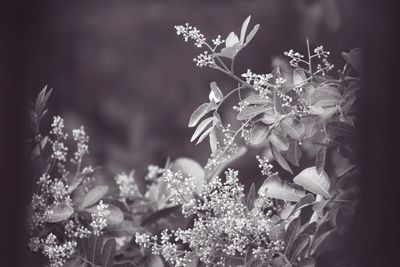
column 265, row 166
column 127, row 186
column 182, row 187
column 190, row 32
column 260, row 82
column 82, row 140
column 224, row 228
column 204, row 60
column 295, row 58
column 99, row 219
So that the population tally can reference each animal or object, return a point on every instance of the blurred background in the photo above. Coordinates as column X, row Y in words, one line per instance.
column 118, row 68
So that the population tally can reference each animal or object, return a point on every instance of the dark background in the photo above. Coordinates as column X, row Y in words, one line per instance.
column 118, row 68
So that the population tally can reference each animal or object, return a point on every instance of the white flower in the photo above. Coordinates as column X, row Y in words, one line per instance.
column 99, row 219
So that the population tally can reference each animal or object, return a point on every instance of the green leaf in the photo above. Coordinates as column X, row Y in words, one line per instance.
column 275, row 187
column 355, row 59
column 94, row 195
column 320, row 160
column 293, row 127
column 291, row 233
column 256, row 99
column 60, row 212
column 344, row 217
column 200, row 129
column 108, row 253
column 299, row 77
column 279, row 141
column 204, row 135
column 215, row 93
column 320, row 240
column 213, row 141
column 258, row 134
column 252, row 34
column 305, row 201
column 316, row 183
column 280, row 159
column 199, row 113
column 154, row 217
column 306, row 262
column 251, row 196
column 231, row 40
column 250, row 112
column 299, row 244
column 244, row 29
column 190, row 167
column 294, row 152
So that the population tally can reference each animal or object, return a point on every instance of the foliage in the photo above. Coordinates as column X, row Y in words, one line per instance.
column 192, row 216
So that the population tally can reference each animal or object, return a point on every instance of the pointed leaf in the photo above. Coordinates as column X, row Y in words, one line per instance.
column 199, row 113
column 293, row 127
column 94, row 195
column 202, row 126
column 305, row 201
column 294, row 152
column 258, row 134
column 319, row 240
column 299, row 244
column 231, row 40
column 279, row 141
column 275, row 187
column 251, row 196
column 213, row 141
column 204, row 135
column 314, row 182
column 154, row 217
column 108, row 253
column 280, row 159
column 250, row 112
column 256, row 99
column 215, row 93
column 291, row 233
column 320, row 159
column 252, row 33
column 60, row 212
column 244, row 29
column 306, row 262
column 299, row 77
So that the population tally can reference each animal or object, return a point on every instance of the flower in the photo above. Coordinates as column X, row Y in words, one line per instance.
column 99, row 219
column 189, row 32
column 127, row 186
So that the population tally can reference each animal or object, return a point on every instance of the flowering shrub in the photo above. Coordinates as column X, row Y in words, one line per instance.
column 190, row 215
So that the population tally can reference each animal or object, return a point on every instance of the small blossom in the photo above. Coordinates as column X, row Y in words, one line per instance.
column 127, row 186
column 99, row 219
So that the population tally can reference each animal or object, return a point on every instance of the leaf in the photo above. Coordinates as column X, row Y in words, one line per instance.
column 215, row 93
column 258, row 134
column 94, row 195
column 305, row 201
column 341, row 129
column 59, row 212
column 316, row 183
column 94, row 253
column 252, row 34
column 299, row 77
column 202, row 126
column 154, row 217
column 294, row 152
column 344, row 217
column 230, row 52
column 231, row 40
column 306, row 262
column 293, row 127
column 37, row 149
column 190, row 167
column 280, row 159
column 318, row 241
column 326, row 96
column 155, row 261
column 251, row 196
column 291, row 233
column 279, row 141
column 299, row 244
column 204, row 135
column 250, row 112
column 275, row 187
column 108, row 253
column 199, row 113
column 244, row 29
column 320, row 159
column 213, row 141
column 355, row 59
column 256, row 99
column 347, row 101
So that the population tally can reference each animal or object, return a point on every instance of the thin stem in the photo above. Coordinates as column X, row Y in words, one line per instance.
column 309, row 57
